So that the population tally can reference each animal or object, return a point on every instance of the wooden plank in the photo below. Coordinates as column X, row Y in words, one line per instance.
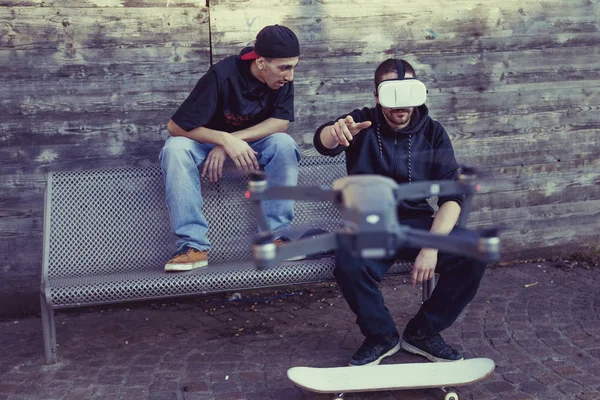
column 544, row 226
column 104, row 3
column 72, row 29
column 68, row 128
column 21, row 212
column 101, row 103
column 537, row 190
column 320, row 24
column 95, row 153
column 47, row 67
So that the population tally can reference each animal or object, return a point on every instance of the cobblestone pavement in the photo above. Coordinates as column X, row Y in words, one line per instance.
column 540, row 323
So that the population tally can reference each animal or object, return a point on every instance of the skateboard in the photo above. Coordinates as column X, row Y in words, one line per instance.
column 442, row 375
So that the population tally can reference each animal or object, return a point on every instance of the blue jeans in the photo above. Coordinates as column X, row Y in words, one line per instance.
column 181, row 158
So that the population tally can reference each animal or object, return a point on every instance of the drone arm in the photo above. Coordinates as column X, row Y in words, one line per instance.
column 421, row 190
column 306, row 193
column 267, row 254
column 464, row 185
column 258, row 192
column 485, row 247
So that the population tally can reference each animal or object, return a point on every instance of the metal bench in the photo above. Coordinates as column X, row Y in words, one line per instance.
column 107, row 236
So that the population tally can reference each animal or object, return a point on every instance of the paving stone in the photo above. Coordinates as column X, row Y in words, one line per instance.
column 533, row 387
column 567, row 371
column 588, row 395
column 515, row 396
column 133, row 393
column 586, row 380
column 79, row 394
column 570, row 388
column 499, row 387
column 516, row 377
column 547, row 378
column 164, row 386
column 163, row 396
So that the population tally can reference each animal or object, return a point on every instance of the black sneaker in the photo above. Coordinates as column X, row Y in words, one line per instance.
column 311, row 233
column 283, row 240
column 431, row 346
column 376, row 348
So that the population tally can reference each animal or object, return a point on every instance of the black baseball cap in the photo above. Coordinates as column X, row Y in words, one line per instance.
column 274, row 41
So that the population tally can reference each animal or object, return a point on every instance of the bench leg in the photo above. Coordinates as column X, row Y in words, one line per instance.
column 49, row 330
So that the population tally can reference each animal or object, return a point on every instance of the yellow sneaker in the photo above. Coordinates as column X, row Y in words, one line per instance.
column 187, row 259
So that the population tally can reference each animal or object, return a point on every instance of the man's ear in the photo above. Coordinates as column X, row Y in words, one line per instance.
column 260, row 63
column 376, row 96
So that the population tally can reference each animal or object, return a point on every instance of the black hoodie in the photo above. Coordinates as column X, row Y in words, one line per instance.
column 421, row 151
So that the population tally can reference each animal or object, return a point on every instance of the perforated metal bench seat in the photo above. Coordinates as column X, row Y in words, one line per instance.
column 122, row 287
column 107, row 237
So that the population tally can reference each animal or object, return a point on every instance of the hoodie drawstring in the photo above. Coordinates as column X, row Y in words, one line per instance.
column 380, row 143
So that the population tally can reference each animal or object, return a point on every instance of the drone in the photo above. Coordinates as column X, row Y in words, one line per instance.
column 370, row 228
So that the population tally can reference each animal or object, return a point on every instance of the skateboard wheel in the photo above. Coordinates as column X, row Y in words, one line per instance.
column 451, row 396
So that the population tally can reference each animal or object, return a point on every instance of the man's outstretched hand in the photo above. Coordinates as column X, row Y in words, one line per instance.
column 345, row 129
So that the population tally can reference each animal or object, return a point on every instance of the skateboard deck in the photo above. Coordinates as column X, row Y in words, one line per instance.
column 391, row 376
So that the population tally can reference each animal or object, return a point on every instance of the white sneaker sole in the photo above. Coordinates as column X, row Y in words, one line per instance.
column 185, row 267
column 297, row 258
column 415, row 350
column 390, row 352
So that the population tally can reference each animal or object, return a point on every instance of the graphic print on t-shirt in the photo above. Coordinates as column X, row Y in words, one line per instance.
column 236, row 120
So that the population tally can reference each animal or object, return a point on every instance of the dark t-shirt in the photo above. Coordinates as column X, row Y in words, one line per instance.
column 229, row 98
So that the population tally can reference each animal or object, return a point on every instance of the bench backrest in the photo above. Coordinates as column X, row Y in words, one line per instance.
column 116, row 220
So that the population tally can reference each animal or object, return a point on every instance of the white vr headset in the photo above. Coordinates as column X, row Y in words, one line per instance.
column 401, row 93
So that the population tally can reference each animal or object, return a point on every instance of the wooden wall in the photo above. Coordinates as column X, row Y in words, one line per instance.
column 92, row 83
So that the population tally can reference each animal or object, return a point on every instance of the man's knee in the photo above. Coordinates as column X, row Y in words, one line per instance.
column 347, row 272
column 176, row 144
column 478, row 268
column 179, row 149
column 282, row 143
column 459, row 264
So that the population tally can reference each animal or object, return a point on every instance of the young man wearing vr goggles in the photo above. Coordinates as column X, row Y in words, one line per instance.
column 239, row 109
column 398, row 139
